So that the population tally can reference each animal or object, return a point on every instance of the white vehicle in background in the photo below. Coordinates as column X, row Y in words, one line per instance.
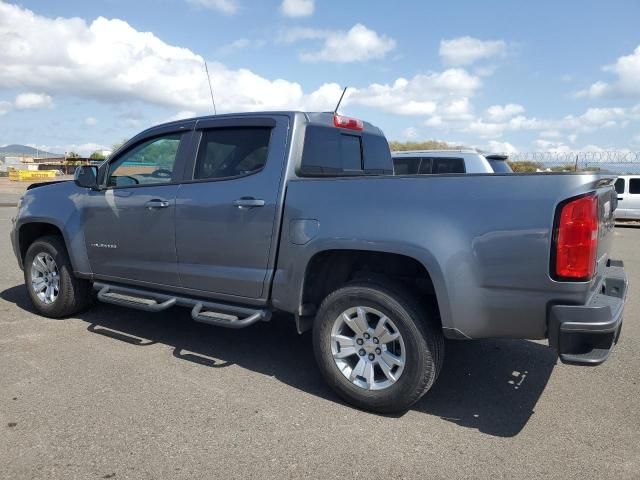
column 434, row 162
column 628, row 188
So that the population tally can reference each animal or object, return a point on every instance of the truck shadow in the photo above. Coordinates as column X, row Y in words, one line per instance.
column 489, row 385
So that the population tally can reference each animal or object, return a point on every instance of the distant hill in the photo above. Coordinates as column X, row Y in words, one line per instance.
column 23, row 150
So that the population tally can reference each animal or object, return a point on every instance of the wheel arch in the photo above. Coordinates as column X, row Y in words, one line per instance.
column 327, row 269
column 29, row 232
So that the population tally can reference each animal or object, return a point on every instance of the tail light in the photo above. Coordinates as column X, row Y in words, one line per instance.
column 348, row 123
column 576, row 239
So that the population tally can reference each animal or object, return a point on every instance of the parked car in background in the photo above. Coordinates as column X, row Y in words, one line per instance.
column 628, row 188
column 433, row 162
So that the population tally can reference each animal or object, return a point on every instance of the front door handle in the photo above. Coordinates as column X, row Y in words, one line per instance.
column 156, row 203
column 248, row 202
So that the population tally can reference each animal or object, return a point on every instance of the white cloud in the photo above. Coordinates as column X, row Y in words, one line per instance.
column 597, row 89
column 444, row 93
column 297, row 8
column 499, row 113
column 238, row 44
column 295, row 34
column 4, row 107
column 33, row 100
column 90, row 121
column 410, row 133
column 228, row 7
column 595, row 118
column 325, row 98
column 552, row 147
column 110, row 61
column 500, row 147
column 468, row 50
column 550, row 134
column 357, row 45
column 627, row 82
column 181, row 115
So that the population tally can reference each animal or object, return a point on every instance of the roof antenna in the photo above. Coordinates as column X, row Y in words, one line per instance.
column 335, row 111
column 211, row 89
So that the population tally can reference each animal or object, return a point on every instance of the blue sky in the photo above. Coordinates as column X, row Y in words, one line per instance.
column 503, row 76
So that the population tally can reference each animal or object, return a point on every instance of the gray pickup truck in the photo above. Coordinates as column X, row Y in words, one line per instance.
column 242, row 216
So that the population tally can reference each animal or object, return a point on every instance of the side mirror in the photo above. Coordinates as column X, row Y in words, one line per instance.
column 86, row 176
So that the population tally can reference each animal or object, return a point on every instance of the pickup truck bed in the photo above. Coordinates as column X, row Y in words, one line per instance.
column 247, row 215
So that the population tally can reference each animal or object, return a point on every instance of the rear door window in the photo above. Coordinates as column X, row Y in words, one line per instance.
column 232, row 152
column 620, row 185
column 634, row 186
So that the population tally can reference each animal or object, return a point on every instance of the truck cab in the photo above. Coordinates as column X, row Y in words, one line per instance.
column 628, row 190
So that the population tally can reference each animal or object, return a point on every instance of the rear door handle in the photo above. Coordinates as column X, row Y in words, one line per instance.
column 619, row 198
column 248, row 202
column 156, row 203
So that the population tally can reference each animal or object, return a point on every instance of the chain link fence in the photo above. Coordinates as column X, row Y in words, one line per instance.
column 620, row 162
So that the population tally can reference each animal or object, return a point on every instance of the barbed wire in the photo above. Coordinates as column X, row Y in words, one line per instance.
column 616, row 161
column 612, row 156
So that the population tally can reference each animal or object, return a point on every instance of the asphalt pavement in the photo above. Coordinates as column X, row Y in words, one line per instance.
column 117, row 393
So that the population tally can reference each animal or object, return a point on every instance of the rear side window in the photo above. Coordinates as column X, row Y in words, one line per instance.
column 447, row 165
column 427, row 165
column 406, row 166
column 620, row 185
column 232, row 152
column 634, row 186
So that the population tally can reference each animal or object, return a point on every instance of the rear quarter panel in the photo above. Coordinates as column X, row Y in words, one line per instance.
column 484, row 239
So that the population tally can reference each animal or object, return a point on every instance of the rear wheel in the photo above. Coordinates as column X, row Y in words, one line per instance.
column 54, row 290
column 377, row 346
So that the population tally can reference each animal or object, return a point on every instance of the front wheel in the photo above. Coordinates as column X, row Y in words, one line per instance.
column 54, row 291
column 377, row 346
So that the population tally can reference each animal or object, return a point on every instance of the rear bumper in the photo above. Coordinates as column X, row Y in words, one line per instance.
column 585, row 334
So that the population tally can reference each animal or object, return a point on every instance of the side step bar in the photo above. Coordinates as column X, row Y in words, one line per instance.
column 212, row 313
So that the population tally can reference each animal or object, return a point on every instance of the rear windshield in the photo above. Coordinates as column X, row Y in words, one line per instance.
column 332, row 151
column 500, row 166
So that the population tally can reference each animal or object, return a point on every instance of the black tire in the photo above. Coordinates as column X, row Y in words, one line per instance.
column 74, row 294
column 422, row 336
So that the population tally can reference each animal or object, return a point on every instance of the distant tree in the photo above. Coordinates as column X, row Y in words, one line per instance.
column 72, row 155
column 117, row 145
column 569, row 167
column 96, row 156
column 396, row 146
column 525, row 166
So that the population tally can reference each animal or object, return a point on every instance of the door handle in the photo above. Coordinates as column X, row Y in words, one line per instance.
column 619, row 198
column 156, row 203
column 248, row 202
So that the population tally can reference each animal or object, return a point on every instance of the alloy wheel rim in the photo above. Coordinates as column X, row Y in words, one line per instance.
column 45, row 278
column 368, row 348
